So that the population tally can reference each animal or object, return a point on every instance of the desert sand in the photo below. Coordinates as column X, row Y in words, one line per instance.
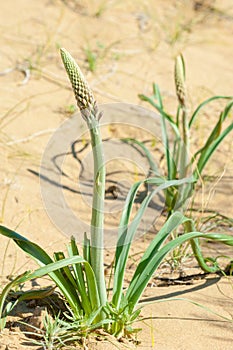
column 122, row 48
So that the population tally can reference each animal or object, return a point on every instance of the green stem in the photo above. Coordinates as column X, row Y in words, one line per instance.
column 184, row 191
column 97, row 220
column 185, row 145
column 189, row 225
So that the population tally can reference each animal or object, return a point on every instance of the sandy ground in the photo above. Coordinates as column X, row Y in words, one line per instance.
column 122, row 47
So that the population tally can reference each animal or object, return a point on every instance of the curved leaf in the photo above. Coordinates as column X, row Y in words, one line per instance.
column 146, row 269
column 207, row 152
column 197, row 110
column 127, row 232
column 53, row 269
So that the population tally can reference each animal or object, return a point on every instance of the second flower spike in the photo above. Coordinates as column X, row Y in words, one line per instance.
column 180, row 80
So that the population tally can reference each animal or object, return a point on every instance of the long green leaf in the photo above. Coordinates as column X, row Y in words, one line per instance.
column 127, row 232
column 207, row 152
column 86, row 248
column 42, row 258
column 6, row 309
column 79, row 277
column 162, row 112
column 29, row 247
column 92, row 287
column 49, row 268
column 216, row 131
column 171, row 165
column 165, row 136
column 146, row 271
column 157, row 95
column 197, row 110
column 153, row 168
column 170, row 225
column 67, row 274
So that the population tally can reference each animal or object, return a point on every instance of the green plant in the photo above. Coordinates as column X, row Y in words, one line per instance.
column 70, row 109
column 95, row 54
column 91, row 58
column 55, row 333
column 177, row 149
column 81, row 279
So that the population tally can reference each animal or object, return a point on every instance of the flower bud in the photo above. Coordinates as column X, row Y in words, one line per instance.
column 180, row 80
column 82, row 91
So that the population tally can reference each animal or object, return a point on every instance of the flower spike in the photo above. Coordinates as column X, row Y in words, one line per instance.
column 83, row 94
column 180, row 80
